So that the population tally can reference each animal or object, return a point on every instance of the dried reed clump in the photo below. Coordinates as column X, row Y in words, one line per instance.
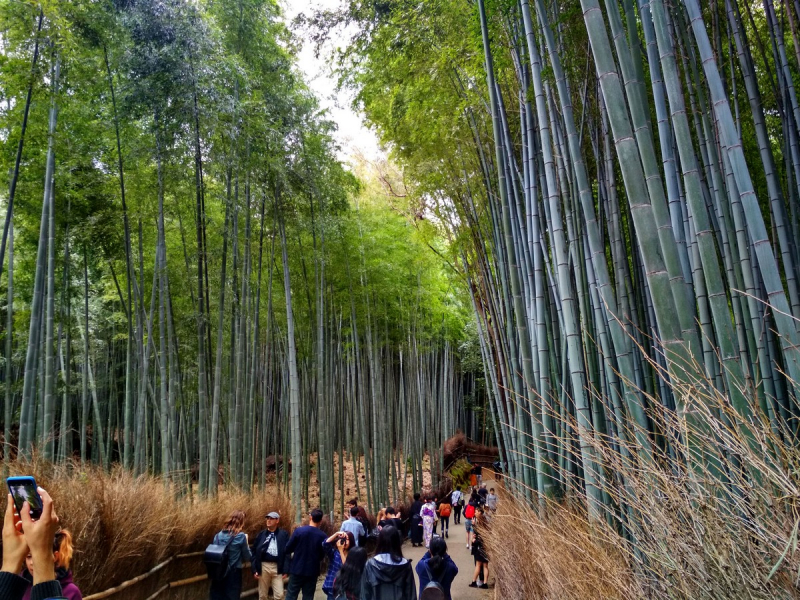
column 124, row 525
column 556, row 557
column 717, row 516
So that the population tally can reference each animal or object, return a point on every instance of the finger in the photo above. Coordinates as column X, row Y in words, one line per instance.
column 10, row 510
column 25, row 513
column 47, row 505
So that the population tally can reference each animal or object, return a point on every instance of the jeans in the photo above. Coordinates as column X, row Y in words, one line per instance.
column 445, row 524
column 305, row 583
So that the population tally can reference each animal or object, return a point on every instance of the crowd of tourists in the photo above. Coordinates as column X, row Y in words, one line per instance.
column 289, row 565
column 37, row 552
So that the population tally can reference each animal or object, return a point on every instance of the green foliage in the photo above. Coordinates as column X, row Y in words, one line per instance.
column 460, row 472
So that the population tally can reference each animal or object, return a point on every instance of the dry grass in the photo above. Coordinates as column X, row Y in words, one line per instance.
column 124, row 525
column 555, row 557
column 717, row 519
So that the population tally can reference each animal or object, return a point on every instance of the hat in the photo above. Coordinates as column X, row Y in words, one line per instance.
column 272, row 515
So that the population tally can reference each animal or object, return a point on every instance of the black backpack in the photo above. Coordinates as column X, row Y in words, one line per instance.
column 216, row 559
column 434, row 589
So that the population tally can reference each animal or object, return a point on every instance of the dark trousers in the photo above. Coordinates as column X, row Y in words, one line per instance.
column 445, row 523
column 228, row 588
column 457, row 517
column 305, row 583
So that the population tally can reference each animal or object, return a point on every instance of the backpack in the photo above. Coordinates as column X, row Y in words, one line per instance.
column 469, row 512
column 216, row 559
column 434, row 590
column 444, row 510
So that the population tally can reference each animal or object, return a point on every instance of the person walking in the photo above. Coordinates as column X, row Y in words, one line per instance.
column 469, row 515
column 305, row 546
column 347, row 585
column 428, row 514
column 415, row 528
column 456, row 501
column 270, row 563
column 438, row 568
column 491, row 500
column 479, row 551
column 231, row 535
column 444, row 516
column 337, row 547
column 354, row 526
column 62, row 556
column 483, row 493
column 388, row 575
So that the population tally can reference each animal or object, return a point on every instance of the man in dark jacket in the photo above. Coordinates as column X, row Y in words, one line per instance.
column 306, row 547
column 270, row 561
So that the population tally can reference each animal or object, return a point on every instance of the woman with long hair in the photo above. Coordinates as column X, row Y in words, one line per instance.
column 62, row 555
column 388, row 575
column 347, row 585
column 479, row 551
column 230, row 586
column 338, row 548
column 437, row 569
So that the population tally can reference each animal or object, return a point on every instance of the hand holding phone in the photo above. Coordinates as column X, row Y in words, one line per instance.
column 15, row 548
column 39, row 535
column 24, row 489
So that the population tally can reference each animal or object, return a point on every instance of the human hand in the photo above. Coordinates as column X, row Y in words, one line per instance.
column 256, row 575
column 15, row 548
column 39, row 536
column 285, row 578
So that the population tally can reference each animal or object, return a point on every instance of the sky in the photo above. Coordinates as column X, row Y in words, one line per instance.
column 353, row 136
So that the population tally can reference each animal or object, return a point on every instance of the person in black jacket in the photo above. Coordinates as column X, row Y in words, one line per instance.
column 38, row 540
column 305, row 545
column 415, row 524
column 388, row 576
column 270, row 562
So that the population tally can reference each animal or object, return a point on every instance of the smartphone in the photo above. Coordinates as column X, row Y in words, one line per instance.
column 22, row 489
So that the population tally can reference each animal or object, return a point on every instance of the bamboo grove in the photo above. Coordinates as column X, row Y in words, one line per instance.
column 620, row 184
column 196, row 286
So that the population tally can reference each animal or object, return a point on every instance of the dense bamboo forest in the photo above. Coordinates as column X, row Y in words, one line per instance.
column 583, row 247
column 197, row 286
column 619, row 182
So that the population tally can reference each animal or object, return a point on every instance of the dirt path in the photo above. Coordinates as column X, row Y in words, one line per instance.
column 456, row 548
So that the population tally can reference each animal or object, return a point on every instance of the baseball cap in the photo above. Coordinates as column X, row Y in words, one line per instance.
column 272, row 515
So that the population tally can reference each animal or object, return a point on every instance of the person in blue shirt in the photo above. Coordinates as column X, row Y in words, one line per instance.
column 354, row 526
column 230, row 586
column 437, row 566
column 305, row 546
column 337, row 547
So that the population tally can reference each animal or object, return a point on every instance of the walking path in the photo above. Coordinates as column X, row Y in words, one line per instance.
column 456, row 548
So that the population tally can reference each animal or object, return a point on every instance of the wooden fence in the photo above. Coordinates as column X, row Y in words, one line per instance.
column 181, row 577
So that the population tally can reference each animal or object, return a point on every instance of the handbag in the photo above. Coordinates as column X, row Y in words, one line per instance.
column 216, row 559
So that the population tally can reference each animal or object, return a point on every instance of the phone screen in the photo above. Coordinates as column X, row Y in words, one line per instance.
column 22, row 489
